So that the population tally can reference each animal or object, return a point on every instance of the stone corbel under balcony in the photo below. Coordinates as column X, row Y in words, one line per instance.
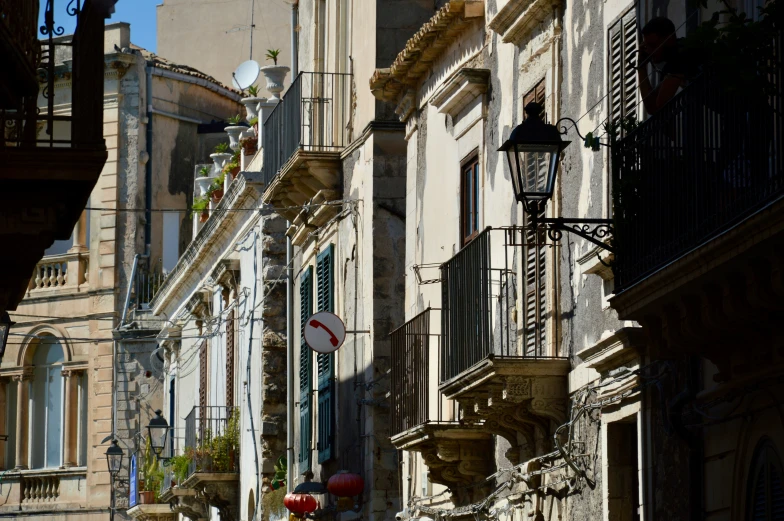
column 456, row 456
column 308, row 178
column 157, row 512
column 183, row 501
column 219, row 490
column 522, row 400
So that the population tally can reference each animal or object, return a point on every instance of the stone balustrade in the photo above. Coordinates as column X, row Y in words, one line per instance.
column 69, row 270
column 42, row 488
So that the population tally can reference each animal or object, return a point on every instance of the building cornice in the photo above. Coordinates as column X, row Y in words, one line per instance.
column 518, row 18
column 424, row 48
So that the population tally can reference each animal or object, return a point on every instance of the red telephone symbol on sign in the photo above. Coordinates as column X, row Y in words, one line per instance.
column 332, row 338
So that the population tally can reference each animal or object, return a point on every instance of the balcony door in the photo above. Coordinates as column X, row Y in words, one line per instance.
column 46, row 400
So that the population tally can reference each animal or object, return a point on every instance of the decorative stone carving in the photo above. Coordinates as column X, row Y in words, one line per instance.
column 156, row 512
column 219, row 490
column 456, row 456
column 521, row 400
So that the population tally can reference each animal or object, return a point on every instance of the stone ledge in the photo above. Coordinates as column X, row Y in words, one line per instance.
column 518, row 18
column 153, row 512
column 460, row 89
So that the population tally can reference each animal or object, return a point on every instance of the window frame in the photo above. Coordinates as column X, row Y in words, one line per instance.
column 474, row 199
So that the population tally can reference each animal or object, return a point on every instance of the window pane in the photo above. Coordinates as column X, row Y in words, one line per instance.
column 54, row 407
column 82, row 420
column 10, row 425
column 38, row 417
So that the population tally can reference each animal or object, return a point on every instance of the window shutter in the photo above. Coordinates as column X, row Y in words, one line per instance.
column 325, row 297
column 305, row 370
column 622, row 88
column 230, row 359
column 765, row 500
column 203, row 375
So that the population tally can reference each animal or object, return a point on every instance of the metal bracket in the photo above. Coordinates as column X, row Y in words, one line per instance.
column 592, row 230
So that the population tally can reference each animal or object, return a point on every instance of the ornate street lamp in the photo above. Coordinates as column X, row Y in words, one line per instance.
column 114, row 457
column 5, row 328
column 158, row 430
column 533, row 151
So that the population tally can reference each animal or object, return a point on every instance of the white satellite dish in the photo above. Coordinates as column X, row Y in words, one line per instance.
column 245, row 75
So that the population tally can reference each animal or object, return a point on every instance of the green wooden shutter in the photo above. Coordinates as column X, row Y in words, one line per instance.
column 305, row 370
column 325, row 301
column 621, row 75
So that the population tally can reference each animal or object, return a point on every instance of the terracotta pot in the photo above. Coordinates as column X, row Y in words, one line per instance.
column 217, row 195
column 205, row 214
column 147, row 497
column 234, row 171
column 249, row 146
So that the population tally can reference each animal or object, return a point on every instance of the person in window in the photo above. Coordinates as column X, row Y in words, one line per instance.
column 663, row 49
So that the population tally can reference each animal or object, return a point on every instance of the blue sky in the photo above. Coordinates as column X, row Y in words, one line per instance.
column 139, row 13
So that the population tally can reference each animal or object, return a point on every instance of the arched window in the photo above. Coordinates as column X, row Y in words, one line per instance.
column 46, row 412
column 766, row 485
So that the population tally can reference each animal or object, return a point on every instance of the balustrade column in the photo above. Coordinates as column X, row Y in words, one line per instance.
column 70, row 378
column 22, row 400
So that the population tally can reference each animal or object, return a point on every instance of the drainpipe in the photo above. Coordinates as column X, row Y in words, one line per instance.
column 148, row 171
column 290, row 300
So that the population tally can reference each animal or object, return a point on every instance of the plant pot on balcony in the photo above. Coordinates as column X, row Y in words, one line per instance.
column 204, row 216
column 251, row 106
column 202, row 184
column 217, row 195
column 147, row 497
column 249, row 145
column 220, row 161
column 234, row 133
column 275, row 75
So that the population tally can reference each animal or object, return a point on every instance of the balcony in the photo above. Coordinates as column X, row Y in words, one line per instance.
column 698, row 201
column 212, row 439
column 42, row 490
column 455, row 453
column 47, row 167
column 58, row 274
column 181, row 500
column 496, row 361
column 303, row 138
column 18, row 50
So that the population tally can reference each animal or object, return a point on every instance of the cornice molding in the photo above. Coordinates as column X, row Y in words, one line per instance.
column 518, row 18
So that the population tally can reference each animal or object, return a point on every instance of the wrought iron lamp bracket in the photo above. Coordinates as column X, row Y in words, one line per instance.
column 565, row 130
column 592, row 230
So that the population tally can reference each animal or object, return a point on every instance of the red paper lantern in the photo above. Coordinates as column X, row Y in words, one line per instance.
column 300, row 503
column 346, row 484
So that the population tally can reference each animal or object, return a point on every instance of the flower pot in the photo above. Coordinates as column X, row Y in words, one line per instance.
column 147, row 497
column 249, row 146
column 233, row 172
column 217, row 195
column 275, row 74
column 220, row 161
column 234, row 133
column 202, row 184
column 251, row 105
column 205, row 214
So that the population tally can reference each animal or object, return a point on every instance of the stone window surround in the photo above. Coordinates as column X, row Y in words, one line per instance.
column 71, row 372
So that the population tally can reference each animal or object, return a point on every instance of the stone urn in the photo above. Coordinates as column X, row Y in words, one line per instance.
column 202, row 184
column 220, row 161
column 275, row 74
column 251, row 105
column 234, row 133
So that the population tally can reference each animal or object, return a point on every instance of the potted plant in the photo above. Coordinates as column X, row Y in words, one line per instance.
column 232, row 168
column 254, row 124
column 248, row 145
column 251, row 102
column 221, row 156
column 152, row 477
column 223, row 448
column 200, row 208
column 234, row 130
column 181, row 465
column 216, row 188
column 274, row 74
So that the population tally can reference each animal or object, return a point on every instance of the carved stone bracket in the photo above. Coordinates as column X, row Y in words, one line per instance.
column 521, row 400
column 456, row 455
column 158, row 512
column 219, row 490
column 183, row 501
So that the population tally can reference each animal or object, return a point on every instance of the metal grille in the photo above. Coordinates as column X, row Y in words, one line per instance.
column 312, row 116
column 212, row 439
column 203, row 374
column 411, row 382
column 230, row 358
column 480, row 296
column 702, row 164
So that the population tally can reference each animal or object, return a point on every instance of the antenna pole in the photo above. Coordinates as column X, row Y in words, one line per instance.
column 252, row 26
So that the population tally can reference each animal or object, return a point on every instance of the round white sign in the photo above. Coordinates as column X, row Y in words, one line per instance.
column 325, row 332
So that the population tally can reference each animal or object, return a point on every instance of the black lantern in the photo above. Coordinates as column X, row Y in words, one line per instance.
column 114, row 456
column 5, row 328
column 533, row 151
column 158, row 430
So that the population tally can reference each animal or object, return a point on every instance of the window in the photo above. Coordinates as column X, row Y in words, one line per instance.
column 536, row 164
column 47, row 405
column 622, row 463
column 766, row 485
column 172, row 412
column 230, row 359
column 535, row 295
column 305, row 369
column 203, row 375
column 10, row 423
column 622, row 77
column 325, row 301
column 469, row 199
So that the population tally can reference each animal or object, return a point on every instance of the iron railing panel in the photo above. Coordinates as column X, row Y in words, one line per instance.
column 312, row 116
column 705, row 162
column 203, row 428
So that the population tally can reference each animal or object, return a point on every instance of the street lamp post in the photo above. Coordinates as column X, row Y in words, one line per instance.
column 533, row 151
column 114, row 457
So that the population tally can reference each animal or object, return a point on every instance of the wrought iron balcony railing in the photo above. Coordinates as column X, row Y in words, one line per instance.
column 313, row 116
column 707, row 161
column 18, row 27
column 212, row 439
column 415, row 370
column 482, row 288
